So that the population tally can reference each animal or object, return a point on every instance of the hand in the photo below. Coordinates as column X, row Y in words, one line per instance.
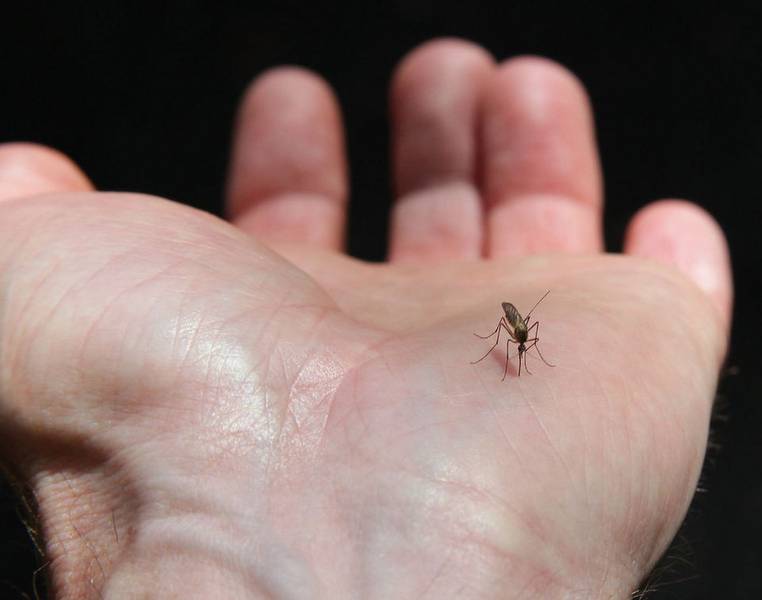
column 215, row 410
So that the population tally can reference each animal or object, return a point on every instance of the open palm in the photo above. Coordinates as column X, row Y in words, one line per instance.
column 217, row 411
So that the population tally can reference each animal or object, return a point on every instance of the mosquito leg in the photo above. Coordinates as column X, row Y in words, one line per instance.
column 507, row 350
column 536, row 347
column 536, row 338
column 502, row 324
column 526, row 366
column 519, row 375
column 497, row 329
column 541, row 356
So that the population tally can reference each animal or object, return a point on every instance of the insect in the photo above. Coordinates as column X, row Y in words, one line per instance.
column 518, row 333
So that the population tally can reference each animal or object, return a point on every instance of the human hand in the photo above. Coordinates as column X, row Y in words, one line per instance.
column 220, row 411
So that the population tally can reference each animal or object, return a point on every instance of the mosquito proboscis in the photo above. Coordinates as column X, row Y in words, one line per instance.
column 518, row 333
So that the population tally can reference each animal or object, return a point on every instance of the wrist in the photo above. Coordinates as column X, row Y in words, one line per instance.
column 111, row 543
column 186, row 533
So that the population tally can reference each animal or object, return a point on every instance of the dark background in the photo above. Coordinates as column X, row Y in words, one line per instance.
column 143, row 100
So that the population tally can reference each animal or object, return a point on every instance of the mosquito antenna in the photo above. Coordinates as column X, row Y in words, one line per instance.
column 535, row 306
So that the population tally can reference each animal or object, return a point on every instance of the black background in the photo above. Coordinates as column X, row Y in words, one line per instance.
column 143, row 100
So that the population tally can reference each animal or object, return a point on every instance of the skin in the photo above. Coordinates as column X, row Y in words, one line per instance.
column 238, row 409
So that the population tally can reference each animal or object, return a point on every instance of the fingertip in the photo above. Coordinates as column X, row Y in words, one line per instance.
column 435, row 97
column 539, row 133
column 684, row 236
column 540, row 160
column 288, row 154
column 434, row 100
column 552, row 74
column 273, row 80
column 288, row 138
column 28, row 169
column 431, row 58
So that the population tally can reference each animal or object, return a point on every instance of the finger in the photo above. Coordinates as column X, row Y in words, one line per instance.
column 288, row 179
column 542, row 180
column 29, row 169
column 684, row 236
column 434, row 99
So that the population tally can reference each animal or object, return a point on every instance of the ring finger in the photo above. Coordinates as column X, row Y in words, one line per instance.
column 435, row 103
column 542, row 181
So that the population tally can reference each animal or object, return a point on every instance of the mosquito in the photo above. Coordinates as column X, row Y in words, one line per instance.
column 518, row 333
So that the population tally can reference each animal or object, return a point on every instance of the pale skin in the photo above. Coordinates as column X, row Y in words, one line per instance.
column 211, row 409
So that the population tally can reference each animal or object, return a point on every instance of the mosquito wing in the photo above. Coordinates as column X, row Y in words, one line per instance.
column 511, row 313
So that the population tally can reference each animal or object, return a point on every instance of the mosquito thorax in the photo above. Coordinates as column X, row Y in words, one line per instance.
column 520, row 331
